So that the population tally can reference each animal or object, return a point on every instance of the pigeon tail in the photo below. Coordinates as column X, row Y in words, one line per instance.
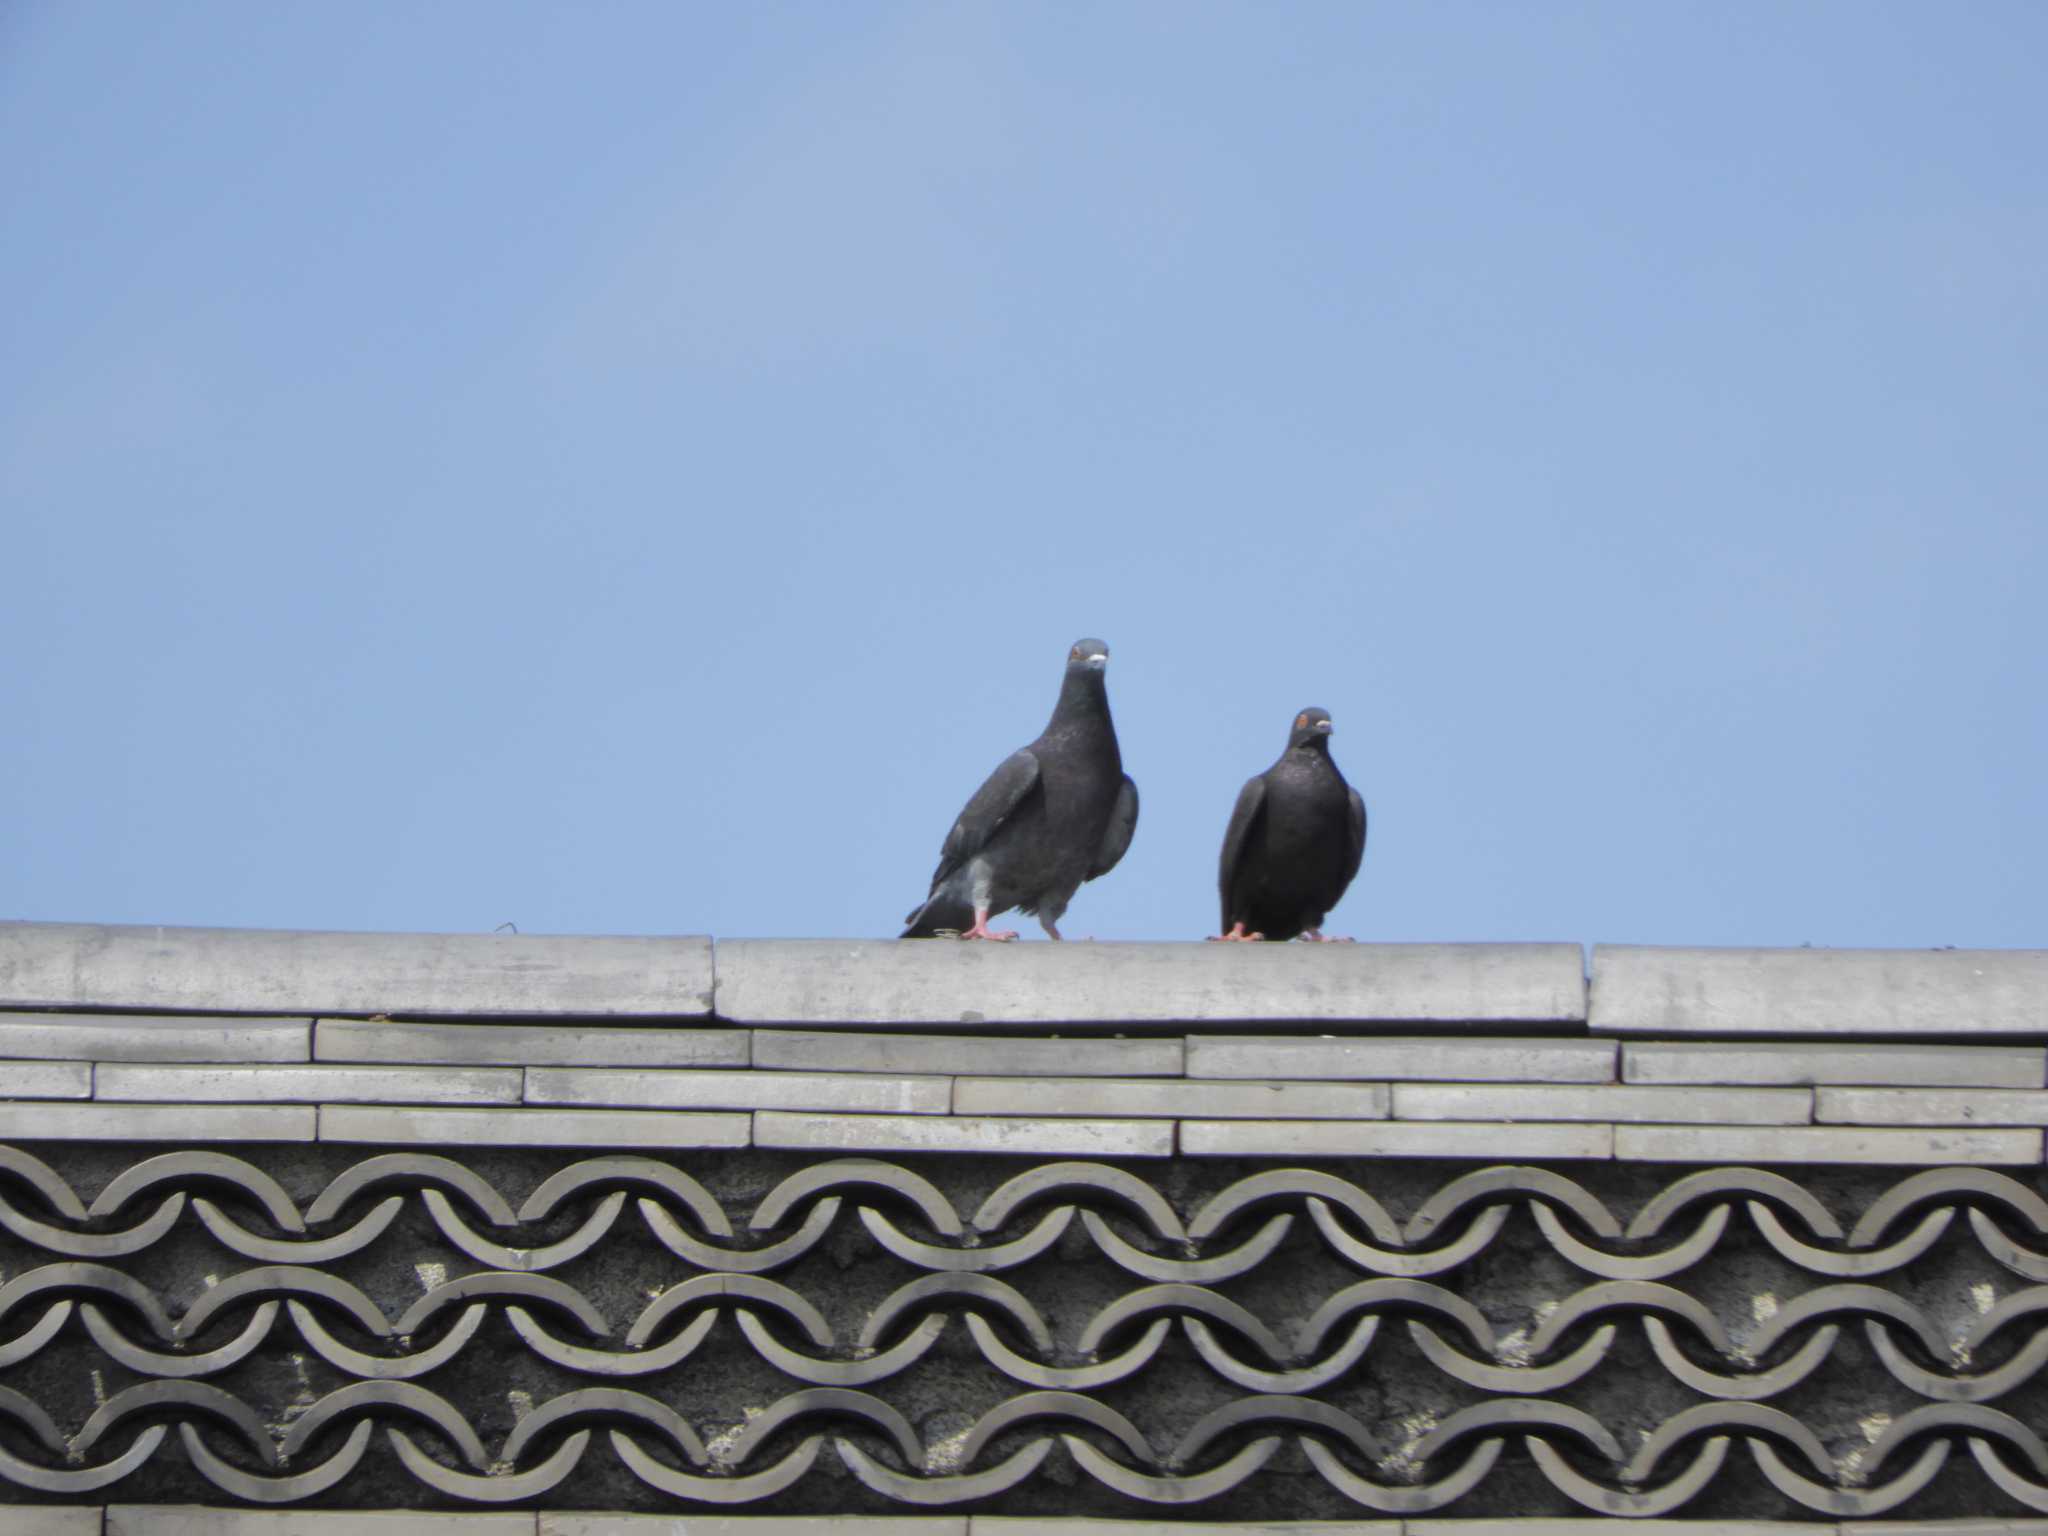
column 945, row 913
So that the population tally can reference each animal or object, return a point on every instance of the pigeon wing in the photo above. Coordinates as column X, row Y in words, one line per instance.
column 993, row 804
column 1251, row 804
column 1357, row 837
column 1116, row 837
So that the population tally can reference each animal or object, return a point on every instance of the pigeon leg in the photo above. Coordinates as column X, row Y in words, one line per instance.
column 1237, row 935
column 980, row 930
column 1050, row 931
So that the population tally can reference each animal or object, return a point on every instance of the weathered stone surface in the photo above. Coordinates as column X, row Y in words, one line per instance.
column 527, row 1045
column 1823, row 1144
column 45, row 1080
column 1148, row 1097
column 821, row 982
column 156, row 1122
column 1392, row 1138
column 310, row 1084
column 1557, row 1101
column 818, row 1050
column 533, row 1127
column 201, row 1520
column 1024, row 1525
column 1850, row 992
column 247, row 970
column 1576, row 1526
column 851, row 1093
column 553, row 1524
column 152, row 1037
column 964, row 1133
column 1773, row 1061
column 1392, row 1058
column 1931, row 1106
column 1942, row 1528
column 50, row 1520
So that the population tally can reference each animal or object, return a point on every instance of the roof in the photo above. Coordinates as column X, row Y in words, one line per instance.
column 1040, row 1232
column 1134, row 1050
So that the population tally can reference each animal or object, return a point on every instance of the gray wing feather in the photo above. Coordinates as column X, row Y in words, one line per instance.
column 992, row 805
column 1116, row 837
column 1251, row 802
column 1357, row 837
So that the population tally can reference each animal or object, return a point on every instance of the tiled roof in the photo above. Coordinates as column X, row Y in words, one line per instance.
column 1040, row 1240
column 1108, row 1050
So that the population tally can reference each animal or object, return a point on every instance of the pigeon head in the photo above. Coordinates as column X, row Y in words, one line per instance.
column 1088, row 656
column 1311, row 727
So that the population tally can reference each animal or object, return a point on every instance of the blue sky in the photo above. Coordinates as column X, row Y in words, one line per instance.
column 636, row 468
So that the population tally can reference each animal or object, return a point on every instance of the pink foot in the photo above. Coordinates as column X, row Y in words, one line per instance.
column 1237, row 935
column 981, row 930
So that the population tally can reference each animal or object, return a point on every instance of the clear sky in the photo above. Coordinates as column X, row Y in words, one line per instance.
column 635, row 468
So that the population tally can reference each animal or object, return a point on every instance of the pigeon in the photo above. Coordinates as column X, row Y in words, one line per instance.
column 1054, row 814
column 1294, row 843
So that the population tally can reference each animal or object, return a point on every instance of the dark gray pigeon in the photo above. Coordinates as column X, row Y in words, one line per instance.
column 1056, row 813
column 1295, row 840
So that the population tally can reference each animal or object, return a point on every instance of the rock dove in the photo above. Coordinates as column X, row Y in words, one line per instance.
column 1054, row 814
column 1295, row 840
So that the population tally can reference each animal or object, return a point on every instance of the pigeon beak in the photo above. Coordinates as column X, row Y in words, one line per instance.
column 1099, row 660
column 1326, row 726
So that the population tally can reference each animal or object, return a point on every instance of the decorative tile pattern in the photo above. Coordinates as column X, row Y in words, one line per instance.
column 1053, row 1299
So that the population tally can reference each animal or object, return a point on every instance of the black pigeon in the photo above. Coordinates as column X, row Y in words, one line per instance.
column 1294, row 843
column 1056, row 813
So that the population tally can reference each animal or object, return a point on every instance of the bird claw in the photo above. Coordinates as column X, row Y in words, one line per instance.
column 981, row 930
column 1237, row 935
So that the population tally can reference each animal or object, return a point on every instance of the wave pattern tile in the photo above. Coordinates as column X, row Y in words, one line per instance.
column 757, row 1331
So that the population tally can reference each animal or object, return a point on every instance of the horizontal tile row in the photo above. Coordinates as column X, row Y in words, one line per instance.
column 868, row 982
column 1772, row 1063
column 1849, row 993
column 853, row 1092
column 1382, row 1058
column 779, row 981
column 1532, row 1141
column 147, row 1038
column 161, row 1038
column 46, row 1079
column 1931, row 1106
column 852, row 983
column 1079, row 1136
column 1441, row 1058
column 1337, row 1094
column 266, row 971
column 195, row 1520
column 533, row 1045
column 152, row 1037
